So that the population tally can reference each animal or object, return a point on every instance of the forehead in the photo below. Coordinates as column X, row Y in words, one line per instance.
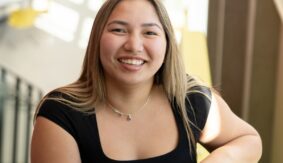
column 135, row 11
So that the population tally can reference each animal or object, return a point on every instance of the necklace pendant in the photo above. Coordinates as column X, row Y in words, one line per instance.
column 129, row 117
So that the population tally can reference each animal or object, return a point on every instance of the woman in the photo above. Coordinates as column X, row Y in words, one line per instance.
column 134, row 102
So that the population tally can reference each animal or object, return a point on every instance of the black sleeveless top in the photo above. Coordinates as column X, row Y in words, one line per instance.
column 83, row 127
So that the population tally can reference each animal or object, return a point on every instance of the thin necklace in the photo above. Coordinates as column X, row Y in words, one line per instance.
column 128, row 116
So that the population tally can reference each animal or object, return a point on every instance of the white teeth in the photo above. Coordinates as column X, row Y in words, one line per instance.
column 132, row 61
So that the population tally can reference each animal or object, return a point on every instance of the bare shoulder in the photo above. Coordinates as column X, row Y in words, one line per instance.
column 51, row 143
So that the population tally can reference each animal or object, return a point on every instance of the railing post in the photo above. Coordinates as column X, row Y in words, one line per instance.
column 16, row 119
column 2, row 81
column 28, row 121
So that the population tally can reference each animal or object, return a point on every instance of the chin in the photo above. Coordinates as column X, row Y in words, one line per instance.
column 136, row 80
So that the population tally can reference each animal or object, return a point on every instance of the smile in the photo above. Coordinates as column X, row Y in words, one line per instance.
column 136, row 62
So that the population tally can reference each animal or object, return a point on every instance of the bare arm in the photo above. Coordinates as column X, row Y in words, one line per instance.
column 229, row 138
column 51, row 143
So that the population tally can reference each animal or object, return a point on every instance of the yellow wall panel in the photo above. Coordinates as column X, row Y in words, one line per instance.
column 195, row 54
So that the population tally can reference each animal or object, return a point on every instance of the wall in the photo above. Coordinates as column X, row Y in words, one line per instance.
column 246, row 65
column 278, row 120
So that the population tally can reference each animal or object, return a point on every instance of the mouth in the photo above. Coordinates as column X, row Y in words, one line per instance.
column 134, row 62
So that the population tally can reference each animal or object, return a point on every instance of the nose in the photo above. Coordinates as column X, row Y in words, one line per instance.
column 134, row 43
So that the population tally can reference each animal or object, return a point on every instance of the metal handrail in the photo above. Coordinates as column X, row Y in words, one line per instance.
column 14, row 93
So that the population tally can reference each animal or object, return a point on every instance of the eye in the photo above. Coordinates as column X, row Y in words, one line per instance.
column 150, row 33
column 118, row 30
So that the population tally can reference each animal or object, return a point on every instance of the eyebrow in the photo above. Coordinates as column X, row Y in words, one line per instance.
column 120, row 22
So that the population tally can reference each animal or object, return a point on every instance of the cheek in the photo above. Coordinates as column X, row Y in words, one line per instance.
column 105, row 49
column 109, row 45
column 158, row 50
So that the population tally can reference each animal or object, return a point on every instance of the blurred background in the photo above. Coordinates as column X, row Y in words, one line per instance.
column 234, row 46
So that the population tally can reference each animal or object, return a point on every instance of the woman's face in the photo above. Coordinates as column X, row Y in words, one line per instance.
column 133, row 43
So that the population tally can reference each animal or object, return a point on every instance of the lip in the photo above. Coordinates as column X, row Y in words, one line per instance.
column 137, row 59
column 130, row 63
column 131, row 57
column 135, row 62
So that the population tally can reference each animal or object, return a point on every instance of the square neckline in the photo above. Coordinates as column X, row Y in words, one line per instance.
column 168, row 154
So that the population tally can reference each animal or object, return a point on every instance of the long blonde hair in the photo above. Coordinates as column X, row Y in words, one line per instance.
column 90, row 87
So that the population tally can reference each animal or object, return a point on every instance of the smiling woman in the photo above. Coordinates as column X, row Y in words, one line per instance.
column 133, row 101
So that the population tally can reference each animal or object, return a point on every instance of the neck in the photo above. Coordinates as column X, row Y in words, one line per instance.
column 128, row 99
